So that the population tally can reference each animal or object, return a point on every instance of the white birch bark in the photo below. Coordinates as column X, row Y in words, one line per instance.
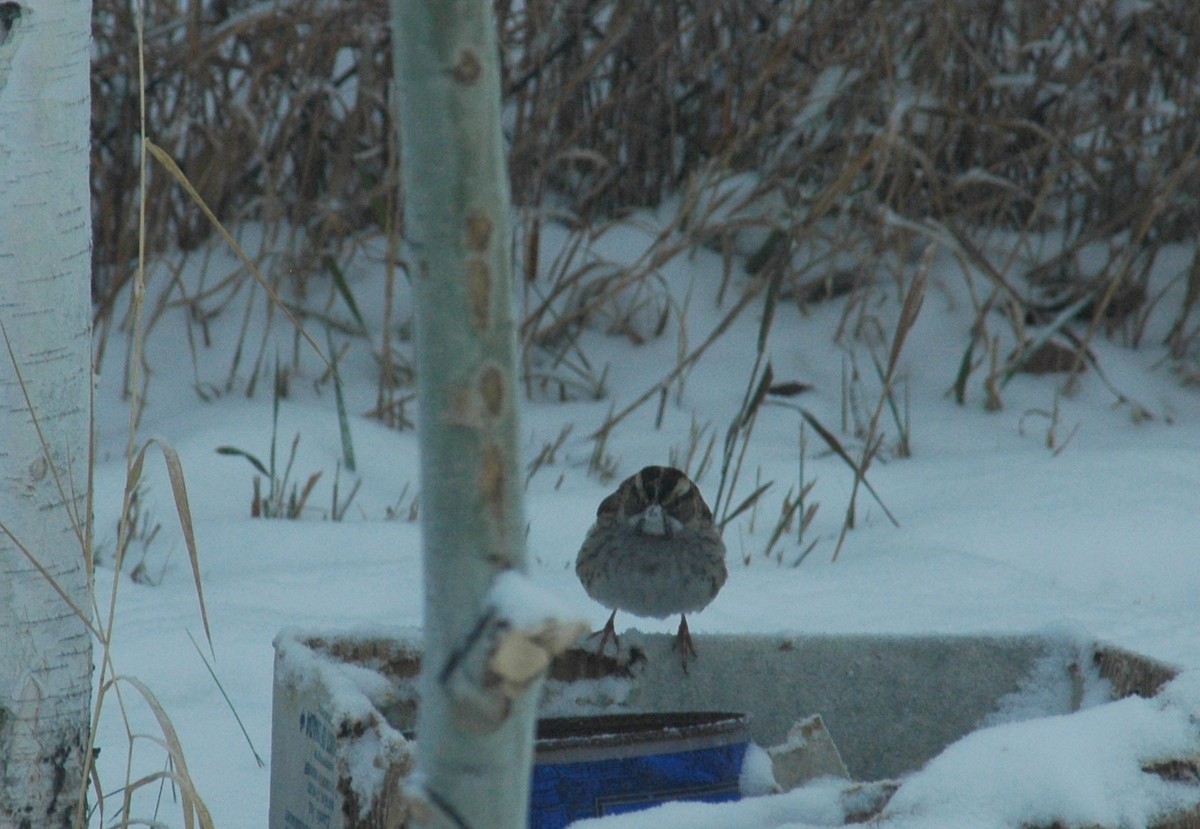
column 474, row 773
column 45, row 308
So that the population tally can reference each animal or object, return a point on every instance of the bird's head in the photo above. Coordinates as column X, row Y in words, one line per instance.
column 659, row 501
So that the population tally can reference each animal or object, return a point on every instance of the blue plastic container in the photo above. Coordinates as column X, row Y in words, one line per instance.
column 596, row 766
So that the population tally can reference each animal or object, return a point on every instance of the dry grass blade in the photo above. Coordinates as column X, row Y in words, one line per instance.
column 960, row 242
column 748, row 502
column 546, row 456
column 182, row 509
column 1177, row 171
column 787, row 514
column 909, row 311
column 68, row 503
column 171, row 167
column 97, row 791
column 752, row 291
column 743, row 426
column 910, row 308
column 833, row 443
column 296, row 505
column 50, row 580
column 132, row 786
column 1056, row 326
column 1140, row 412
column 228, row 701
column 81, row 530
column 342, row 415
column 193, row 805
column 931, row 111
column 836, row 192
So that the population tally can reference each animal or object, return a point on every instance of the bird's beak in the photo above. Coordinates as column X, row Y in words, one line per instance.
column 654, row 522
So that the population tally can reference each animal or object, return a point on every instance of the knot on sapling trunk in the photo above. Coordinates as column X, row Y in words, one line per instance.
column 521, row 630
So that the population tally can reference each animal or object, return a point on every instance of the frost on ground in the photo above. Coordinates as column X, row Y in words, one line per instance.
column 997, row 532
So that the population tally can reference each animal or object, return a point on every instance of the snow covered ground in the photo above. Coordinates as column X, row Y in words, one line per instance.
column 998, row 533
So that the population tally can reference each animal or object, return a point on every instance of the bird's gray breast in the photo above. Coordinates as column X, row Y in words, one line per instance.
column 655, row 576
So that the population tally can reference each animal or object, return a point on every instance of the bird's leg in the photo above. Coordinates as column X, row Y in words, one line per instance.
column 683, row 641
column 608, row 631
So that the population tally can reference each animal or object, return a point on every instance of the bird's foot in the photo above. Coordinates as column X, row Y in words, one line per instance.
column 609, row 631
column 683, row 643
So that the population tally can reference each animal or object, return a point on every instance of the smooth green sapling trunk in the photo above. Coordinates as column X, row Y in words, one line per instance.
column 474, row 740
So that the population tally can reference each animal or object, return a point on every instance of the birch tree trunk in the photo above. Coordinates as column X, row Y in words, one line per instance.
column 45, row 310
column 475, row 774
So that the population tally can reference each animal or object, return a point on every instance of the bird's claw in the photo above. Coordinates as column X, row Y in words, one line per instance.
column 683, row 643
column 609, row 631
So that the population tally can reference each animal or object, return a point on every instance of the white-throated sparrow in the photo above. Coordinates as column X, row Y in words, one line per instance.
column 653, row 551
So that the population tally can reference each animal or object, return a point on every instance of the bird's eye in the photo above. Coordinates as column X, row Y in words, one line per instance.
column 682, row 509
